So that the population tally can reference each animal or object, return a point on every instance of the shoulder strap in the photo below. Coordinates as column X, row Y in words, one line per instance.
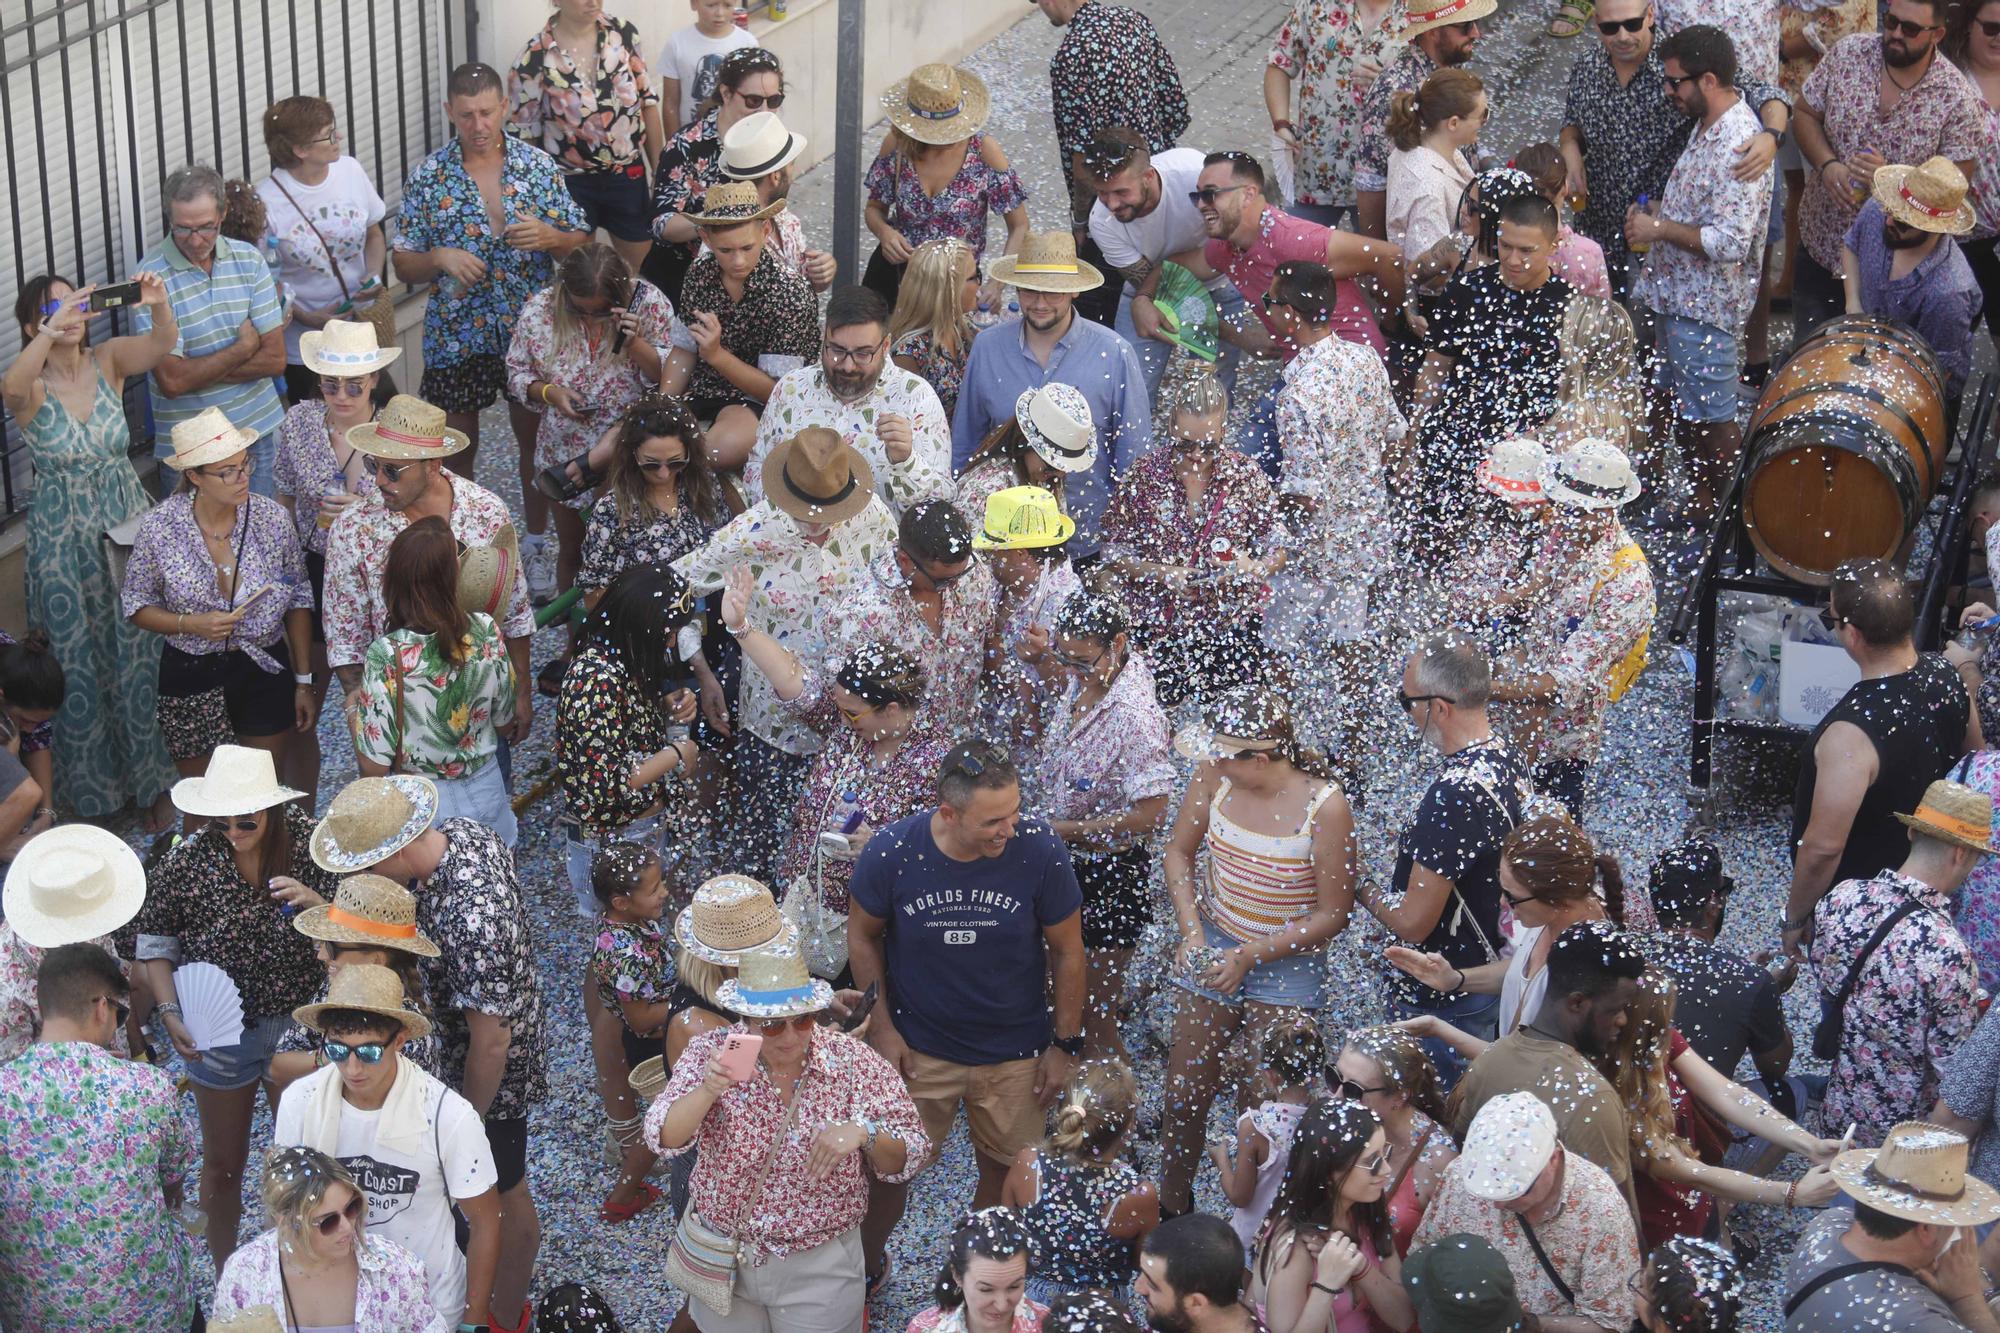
column 771, row 1155
column 1906, row 908
column 1542, row 1257
column 1833, row 1275
column 331, row 262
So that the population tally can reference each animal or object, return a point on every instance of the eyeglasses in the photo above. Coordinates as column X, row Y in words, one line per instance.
column 1410, row 701
column 375, row 467
column 332, row 136
column 1354, row 1092
column 341, row 386
column 1208, row 194
column 206, row 229
column 1829, row 620
column 942, row 581
column 369, row 1053
column 234, row 472
column 1892, row 24
column 851, row 356
column 1079, row 663
column 669, row 464
column 856, row 714
column 241, row 825
column 1612, row 27
column 771, row 1027
column 329, row 1223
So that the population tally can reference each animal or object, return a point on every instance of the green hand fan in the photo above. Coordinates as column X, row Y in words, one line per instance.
column 1189, row 312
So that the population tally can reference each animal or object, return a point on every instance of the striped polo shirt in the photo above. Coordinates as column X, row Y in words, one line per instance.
column 210, row 308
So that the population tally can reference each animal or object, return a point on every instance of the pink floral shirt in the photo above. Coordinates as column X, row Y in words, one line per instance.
column 1149, row 519
column 1717, row 286
column 391, row 1293
column 307, row 463
column 882, row 610
column 1336, row 414
column 20, row 1005
column 1579, row 261
column 1108, row 758
column 585, row 125
column 1320, row 46
column 1585, row 623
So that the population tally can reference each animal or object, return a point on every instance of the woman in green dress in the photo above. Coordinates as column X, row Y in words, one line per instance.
column 66, row 396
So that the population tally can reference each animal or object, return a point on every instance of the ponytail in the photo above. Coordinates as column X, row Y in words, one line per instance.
column 1611, row 880
column 1405, row 130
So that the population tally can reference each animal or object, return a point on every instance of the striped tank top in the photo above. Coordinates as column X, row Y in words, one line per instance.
column 1258, row 883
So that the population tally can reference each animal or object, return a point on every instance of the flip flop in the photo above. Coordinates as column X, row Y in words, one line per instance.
column 624, row 1212
column 568, row 479
column 1573, row 13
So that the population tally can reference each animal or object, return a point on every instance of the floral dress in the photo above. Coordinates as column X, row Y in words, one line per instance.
column 941, row 370
column 1320, row 46
column 308, row 462
column 689, row 164
column 957, row 211
column 611, row 546
column 593, row 126
column 1149, row 519
column 450, row 713
column 632, row 962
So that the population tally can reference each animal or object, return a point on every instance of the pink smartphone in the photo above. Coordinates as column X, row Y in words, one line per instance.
column 739, row 1055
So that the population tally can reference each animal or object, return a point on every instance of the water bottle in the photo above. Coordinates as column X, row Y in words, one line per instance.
column 448, row 287
column 984, row 318
column 780, row 10
column 1013, row 308
column 846, row 814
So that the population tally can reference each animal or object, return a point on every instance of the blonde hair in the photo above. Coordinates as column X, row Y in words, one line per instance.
column 699, row 975
column 296, row 1181
column 1636, row 1067
column 929, row 297
column 588, row 271
column 1199, row 394
column 1096, row 1113
column 1600, row 388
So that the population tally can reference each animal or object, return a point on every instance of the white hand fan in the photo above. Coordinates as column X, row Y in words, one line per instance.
column 211, row 1006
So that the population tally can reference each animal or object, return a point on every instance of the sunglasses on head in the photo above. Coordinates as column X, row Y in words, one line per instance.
column 1890, row 24
column 241, row 823
column 972, row 765
column 329, row 1223
column 771, row 1027
column 369, row 1052
column 1612, row 27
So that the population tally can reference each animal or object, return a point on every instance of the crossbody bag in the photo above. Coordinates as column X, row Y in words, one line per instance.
column 381, row 312
column 702, row 1261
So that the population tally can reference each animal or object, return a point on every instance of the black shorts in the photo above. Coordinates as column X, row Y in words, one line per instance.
column 508, row 1137
column 639, row 1049
column 1117, row 896
column 616, row 200
column 211, row 699
column 470, row 385
column 708, row 407
column 316, row 573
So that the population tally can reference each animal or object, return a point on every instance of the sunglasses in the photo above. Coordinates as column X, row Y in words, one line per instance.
column 241, row 825
column 856, row 714
column 1208, row 194
column 972, row 765
column 340, row 386
column 1354, row 1092
column 1829, row 620
column 655, row 464
column 1612, row 27
column 1906, row 27
column 758, row 101
column 771, row 1027
column 1675, row 81
column 375, row 467
column 369, row 1053
column 943, row 581
column 1990, row 29
column 330, row 1222
column 49, row 308
column 118, row 1007
column 1410, row 701
column 1375, row 1165
column 1516, row 900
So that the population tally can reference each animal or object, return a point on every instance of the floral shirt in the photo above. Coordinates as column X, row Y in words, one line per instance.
column 1113, row 69
column 443, row 207
column 610, row 546
column 1917, row 1000
column 1106, row 759
column 1841, row 19
column 844, row 1078
column 959, row 210
column 1405, row 74
column 1320, row 47
column 632, row 962
column 786, row 239
column 803, row 399
column 882, row 610
column 196, row 896
column 449, row 713
column 775, row 327
column 1592, row 612
column 308, row 461
column 1149, row 519
column 941, row 370
column 690, row 162
column 171, row 568
column 795, row 582
column 86, row 1241
column 357, row 549
column 1938, row 116
column 1985, row 194
column 604, row 727
column 1752, row 26
column 391, row 1293
column 1717, row 286
column 1975, row 909
column 471, row 908
column 1336, row 414
column 584, row 126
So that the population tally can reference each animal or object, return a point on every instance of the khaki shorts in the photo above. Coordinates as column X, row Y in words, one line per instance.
column 1000, row 1106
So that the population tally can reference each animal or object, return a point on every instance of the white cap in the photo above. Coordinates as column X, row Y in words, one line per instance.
column 1506, row 1147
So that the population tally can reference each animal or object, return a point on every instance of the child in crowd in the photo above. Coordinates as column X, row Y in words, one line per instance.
column 1290, row 1064
column 692, row 58
column 632, row 977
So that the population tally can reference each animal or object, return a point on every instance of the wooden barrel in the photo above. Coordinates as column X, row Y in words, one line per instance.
column 1845, row 448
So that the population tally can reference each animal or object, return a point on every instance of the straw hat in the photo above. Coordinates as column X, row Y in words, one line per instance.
column 1506, row 1146
column 206, row 437
column 408, row 427
column 729, row 914
column 1513, row 471
column 730, row 203
column 1423, row 15
column 1461, row 1284
column 773, row 983
column 1595, row 475
column 1023, row 518
column 818, row 476
column 1919, row 1174
column 251, row 1319
column 371, row 820
column 240, row 781
column 1055, row 419
column 758, row 145
column 370, row 911
column 345, row 347
column 938, row 104
column 1930, row 197
column 486, row 573
column 1047, row 263
column 1955, row 814
column 372, row 990
column 71, row 884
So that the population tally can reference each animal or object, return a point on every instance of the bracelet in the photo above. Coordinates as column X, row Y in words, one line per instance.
column 1792, row 1195
column 180, row 622
column 737, row 631
column 545, row 393
column 168, row 1009
column 1282, row 125
column 1461, row 981
column 305, row 679
column 1321, row 1286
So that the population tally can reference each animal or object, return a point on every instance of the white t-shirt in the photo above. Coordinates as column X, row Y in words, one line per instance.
column 695, row 58
column 1172, row 228
column 343, row 206
column 408, row 1200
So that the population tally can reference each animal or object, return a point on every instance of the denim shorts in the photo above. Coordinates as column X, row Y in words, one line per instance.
column 1296, row 981
column 229, row 1067
column 1698, row 362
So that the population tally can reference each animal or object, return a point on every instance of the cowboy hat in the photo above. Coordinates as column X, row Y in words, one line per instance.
column 71, row 884
column 1047, row 263
column 1953, row 813
column 486, row 573
column 369, row 911
column 1423, row 15
column 1918, row 1174
column 206, row 437
column 729, row 914
column 817, row 476
column 773, row 983
column 1512, row 470
column 1930, row 197
column 408, row 427
column 345, row 348
column 1595, row 475
column 1023, row 518
column 371, row 820
column 1055, row 420
column 240, row 780
column 758, row 145
column 938, row 104
column 732, row 203
column 371, row 989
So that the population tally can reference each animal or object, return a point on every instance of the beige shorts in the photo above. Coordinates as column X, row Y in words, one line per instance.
column 1000, row 1107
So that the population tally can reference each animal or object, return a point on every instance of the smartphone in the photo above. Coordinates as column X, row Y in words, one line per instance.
column 113, row 296
column 862, row 1008
column 739, row 1055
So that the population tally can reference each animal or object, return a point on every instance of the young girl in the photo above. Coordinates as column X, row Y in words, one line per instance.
column 1293, row 1059
column 983, row 1287
column 631, row 975
column 1085, row 1209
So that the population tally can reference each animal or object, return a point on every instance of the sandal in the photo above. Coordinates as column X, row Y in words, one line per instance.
column 568, row 479
column 648, row 1195
column 1571, row 15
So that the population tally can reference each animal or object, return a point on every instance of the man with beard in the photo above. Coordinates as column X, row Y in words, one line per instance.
column 1437, row 34
column 1704, row 254
column 1191, row 1278
column 891, row 415
column 1899, row 261
column 1874, row 100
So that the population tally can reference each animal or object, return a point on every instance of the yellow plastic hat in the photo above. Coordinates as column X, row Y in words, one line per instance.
column 1023, row 518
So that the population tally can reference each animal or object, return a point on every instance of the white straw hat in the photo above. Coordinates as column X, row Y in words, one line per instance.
column 346, row 348
column 1055, row 420
column 206, row 437
column 758, row 145
column 1594, row 475
column 241, row 780
column 71, row 884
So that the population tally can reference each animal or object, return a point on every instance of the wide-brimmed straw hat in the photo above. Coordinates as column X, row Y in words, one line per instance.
column 345, row 348
column 1594, row 475
column 773, row 983
column 729, row 203
column 938, row 104
column 1919, row 1174
column 758, row 145
column 1023, row 518
column 1056, row 422
column 369, row 911
column 730, row 914
column 1513, row 471
column 372, row 990
column 486, row 573
column 1423, row 15
column 371, row 820
column 240, row 780
column 1954, row 813
column 206, row 437
column 1930, row 197
column 818, row 476
column 71, row 884
column 1047, row 263
column 407, row 427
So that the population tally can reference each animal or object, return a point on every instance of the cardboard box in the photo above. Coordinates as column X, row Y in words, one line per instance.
column 1811, row 677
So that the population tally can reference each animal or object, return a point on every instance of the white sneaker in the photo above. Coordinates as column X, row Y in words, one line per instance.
column 539, row 563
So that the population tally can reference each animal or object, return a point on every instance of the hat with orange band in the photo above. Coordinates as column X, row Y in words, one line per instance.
column 368, row 912
column 1954, row 813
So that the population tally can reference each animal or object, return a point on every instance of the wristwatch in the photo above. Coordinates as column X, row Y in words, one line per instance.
column 868, row 1127
column 1778, row 136
column 1070, row 1046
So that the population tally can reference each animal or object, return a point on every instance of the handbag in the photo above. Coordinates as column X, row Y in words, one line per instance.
column 1833, row 1012
column 702, row 1261
column 381, row 312
column 822, row 931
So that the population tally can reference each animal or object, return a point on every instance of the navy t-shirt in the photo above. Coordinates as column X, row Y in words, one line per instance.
column 968, row 975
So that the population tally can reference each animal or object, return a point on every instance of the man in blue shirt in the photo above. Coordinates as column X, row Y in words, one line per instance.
column 1899, row 261
column 1050, row 344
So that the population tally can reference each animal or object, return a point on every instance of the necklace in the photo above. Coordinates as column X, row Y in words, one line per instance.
column 1905, row 87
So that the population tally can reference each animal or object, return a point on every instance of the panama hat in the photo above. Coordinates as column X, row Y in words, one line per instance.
column 71, row 884
column 371, row 820
column 1047, row 263
column 206, row 437
column 1507, row 1145
column 369, row 911
column 1930, row 197
column 1023, row 518
column 240, row 780
column 1461, row 1284
column 486, row 573
column 818, row 476
column 773, row 983
column 372, row 990
column 1055, row 420
column 729, row 914
column 1513, row 470
column 408, row 427
column 938, row 104
column 1919, row 1174
column 758, row 145
column 731, row 203
column 345, row 347
column 1595, row 475
column 1953, row 813
column 1423, row 15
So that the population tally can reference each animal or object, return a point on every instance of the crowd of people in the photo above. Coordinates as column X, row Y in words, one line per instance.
column 959, row 667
